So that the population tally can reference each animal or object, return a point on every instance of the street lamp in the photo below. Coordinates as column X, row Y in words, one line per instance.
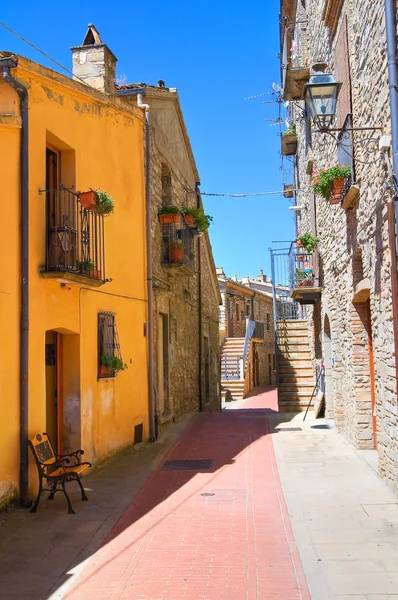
column 321, row 94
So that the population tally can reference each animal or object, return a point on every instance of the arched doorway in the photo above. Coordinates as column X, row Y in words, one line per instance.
column 328, row 362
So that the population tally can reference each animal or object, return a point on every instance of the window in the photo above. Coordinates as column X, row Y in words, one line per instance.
column 166, row 186
column 247, row 310
column 268, row 322
column 237, row 312
column 109, row 356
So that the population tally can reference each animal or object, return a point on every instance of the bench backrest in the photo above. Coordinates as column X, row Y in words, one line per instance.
column 43, row 449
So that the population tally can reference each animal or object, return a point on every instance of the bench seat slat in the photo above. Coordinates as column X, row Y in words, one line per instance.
column 73, row 469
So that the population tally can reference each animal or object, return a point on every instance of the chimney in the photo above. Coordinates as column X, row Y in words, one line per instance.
column 94, row 63
column 234, row 278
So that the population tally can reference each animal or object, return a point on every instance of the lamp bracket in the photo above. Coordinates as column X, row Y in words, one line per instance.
column 369, row 144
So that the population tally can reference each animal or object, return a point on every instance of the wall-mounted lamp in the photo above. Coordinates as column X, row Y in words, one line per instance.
column 321, row 94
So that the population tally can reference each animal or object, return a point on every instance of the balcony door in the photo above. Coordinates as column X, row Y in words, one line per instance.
column 53, row 357
column 61, row 218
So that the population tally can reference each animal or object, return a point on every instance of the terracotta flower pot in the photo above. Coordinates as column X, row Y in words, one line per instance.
column 87, row 199
column 176, row 255
column 300, row 257
column 104, row 371
column 299, row 244
column 190, row 221
column 336, row 190
column 166, row 219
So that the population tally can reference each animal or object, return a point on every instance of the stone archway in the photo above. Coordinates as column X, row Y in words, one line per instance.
column 328, row 362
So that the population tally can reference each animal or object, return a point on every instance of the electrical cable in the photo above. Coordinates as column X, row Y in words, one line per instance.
column 43, row 53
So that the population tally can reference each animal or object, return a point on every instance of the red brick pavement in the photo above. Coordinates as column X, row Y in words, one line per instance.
column 213, row 534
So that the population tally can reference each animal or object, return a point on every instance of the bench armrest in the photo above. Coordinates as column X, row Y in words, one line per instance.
column 72, row 456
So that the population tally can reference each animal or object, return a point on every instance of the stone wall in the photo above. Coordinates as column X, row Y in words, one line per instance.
column 176, row 294
column 355, row 308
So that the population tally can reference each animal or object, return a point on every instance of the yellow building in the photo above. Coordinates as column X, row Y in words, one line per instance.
column 85, row 294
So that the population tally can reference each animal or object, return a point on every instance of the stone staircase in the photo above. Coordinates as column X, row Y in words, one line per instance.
column 295, row 368
column 232, row 377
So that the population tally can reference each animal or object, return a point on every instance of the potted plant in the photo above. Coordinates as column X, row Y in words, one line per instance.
column 329, row 183
column 292, row 130
column 304, row 277
column 89, row 267
column 189, row 216
column 175, row 252
column 104, row 203
column 110, row 365
column 307, row 241
column 98, row 200
column 168, row 214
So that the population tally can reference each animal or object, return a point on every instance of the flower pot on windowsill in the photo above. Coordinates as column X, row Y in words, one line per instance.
column 189, row 221
column 299, row 244
column 87, row 199
column 104, row 371
column 336, row 190
column 168, row 218
column 175, row 256
column 301, row 257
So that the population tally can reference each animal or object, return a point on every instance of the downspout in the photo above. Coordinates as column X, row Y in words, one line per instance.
column 198, row 205
column 6, row 64
column 392, row 204
column 153, row 425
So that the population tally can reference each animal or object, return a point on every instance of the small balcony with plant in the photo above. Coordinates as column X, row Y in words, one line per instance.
column 289, row 140
column 180, row 226
column 331, row 183
column 304, row 278
column 75, row 239
column 295, row 60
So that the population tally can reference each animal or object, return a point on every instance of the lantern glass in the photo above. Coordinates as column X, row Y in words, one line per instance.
column 321, row 98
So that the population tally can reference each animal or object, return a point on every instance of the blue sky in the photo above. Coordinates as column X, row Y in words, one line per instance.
column 216, row 54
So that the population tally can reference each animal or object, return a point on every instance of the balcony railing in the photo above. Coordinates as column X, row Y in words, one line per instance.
column 178, row 248
column 231, row 368
column 304, row 279
column 74, row 238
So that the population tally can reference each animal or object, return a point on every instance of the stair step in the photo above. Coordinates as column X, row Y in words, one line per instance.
column 294, row 378
column 296, row 386
column 294, row 396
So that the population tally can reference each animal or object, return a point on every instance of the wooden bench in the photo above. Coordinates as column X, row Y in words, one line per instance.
column 56, row 469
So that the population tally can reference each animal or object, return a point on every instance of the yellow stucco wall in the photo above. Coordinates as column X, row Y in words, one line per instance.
column 101, row 146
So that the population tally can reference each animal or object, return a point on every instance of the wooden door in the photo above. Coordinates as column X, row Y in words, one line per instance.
column 51, row 387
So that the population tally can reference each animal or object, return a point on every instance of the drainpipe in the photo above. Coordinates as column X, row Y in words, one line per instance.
column 6, row 64
column 392, row 204
column 153, row 424
column 200, row 385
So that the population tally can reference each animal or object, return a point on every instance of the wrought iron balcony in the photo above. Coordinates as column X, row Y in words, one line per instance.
column 305, row 285
column 178, row 249
column 75, row 248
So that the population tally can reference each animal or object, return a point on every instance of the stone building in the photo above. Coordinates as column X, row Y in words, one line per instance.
column 246, row 337
column 351, row 303
column 185, row 287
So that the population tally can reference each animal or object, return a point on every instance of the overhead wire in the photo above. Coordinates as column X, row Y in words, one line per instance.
column 41, row 52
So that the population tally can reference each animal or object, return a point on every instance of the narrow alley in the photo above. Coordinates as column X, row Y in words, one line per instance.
column 246, row 504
